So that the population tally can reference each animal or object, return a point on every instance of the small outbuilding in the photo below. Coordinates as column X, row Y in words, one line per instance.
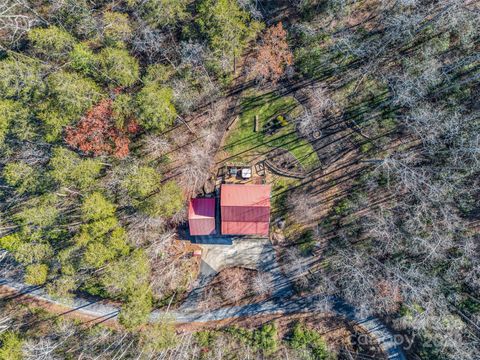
column 245, row 209
column 201, row 216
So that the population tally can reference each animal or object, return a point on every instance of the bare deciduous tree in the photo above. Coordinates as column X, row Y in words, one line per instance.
column 319, row 108
column 303, row 207
column 156, row 146
column 16, row 19
column 262, row 283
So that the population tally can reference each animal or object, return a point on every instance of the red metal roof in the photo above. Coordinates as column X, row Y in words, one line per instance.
column 246, row 213
column 245, row 209
column 245, row 228
column 245, row 195
column 201, row 216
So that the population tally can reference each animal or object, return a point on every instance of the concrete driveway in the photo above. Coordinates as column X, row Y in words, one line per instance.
column 248, row 253
column 252, row 253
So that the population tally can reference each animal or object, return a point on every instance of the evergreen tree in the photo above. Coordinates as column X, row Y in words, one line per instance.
column 51, row 42
column 165, row 203
column 119, row 68
column 22, row 176
column 141, row 182
column 156, row 110
column 10, row 346
column 227, row 27
column 69, row 170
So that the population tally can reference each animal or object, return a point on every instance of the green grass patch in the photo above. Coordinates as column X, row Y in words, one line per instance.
column 275, row 130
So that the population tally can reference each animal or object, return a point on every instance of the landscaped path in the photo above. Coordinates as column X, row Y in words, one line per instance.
column 99, row 312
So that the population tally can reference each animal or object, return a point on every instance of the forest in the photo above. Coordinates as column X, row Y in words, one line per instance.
column 362, row 115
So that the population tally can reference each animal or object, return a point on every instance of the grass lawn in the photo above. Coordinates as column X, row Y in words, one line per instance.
column 243, row 142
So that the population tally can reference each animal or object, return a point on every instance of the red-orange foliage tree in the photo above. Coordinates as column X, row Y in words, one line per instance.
column 273, row 54
column 96, row 133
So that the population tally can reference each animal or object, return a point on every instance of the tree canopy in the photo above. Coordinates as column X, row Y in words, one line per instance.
column 70, row 95
column 97, row 134
column 11, row 346
column 69, row 170
column 25, row 178
column 272, row 55
column 119, row 68
column 156, row 110
column 83, row 60
column 51, row 42
column 161, row 12
column 13, row 117
column 227, row 27
column 165, row 203
column 21, row 78
column 142, row 182
column 117, row 28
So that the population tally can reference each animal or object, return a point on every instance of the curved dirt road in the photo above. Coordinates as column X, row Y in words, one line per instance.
column 314, row 303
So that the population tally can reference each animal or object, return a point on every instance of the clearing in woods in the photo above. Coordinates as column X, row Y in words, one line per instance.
column 276, row 130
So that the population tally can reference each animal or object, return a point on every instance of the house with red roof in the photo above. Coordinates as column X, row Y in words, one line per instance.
column 201, row 216
column 245, row 209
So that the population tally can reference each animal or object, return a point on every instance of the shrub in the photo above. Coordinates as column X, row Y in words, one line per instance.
column 303, row 338
column 36, row 274
column 364, row 148
column 306, row 242
column 10, row 346
column 342, row 208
